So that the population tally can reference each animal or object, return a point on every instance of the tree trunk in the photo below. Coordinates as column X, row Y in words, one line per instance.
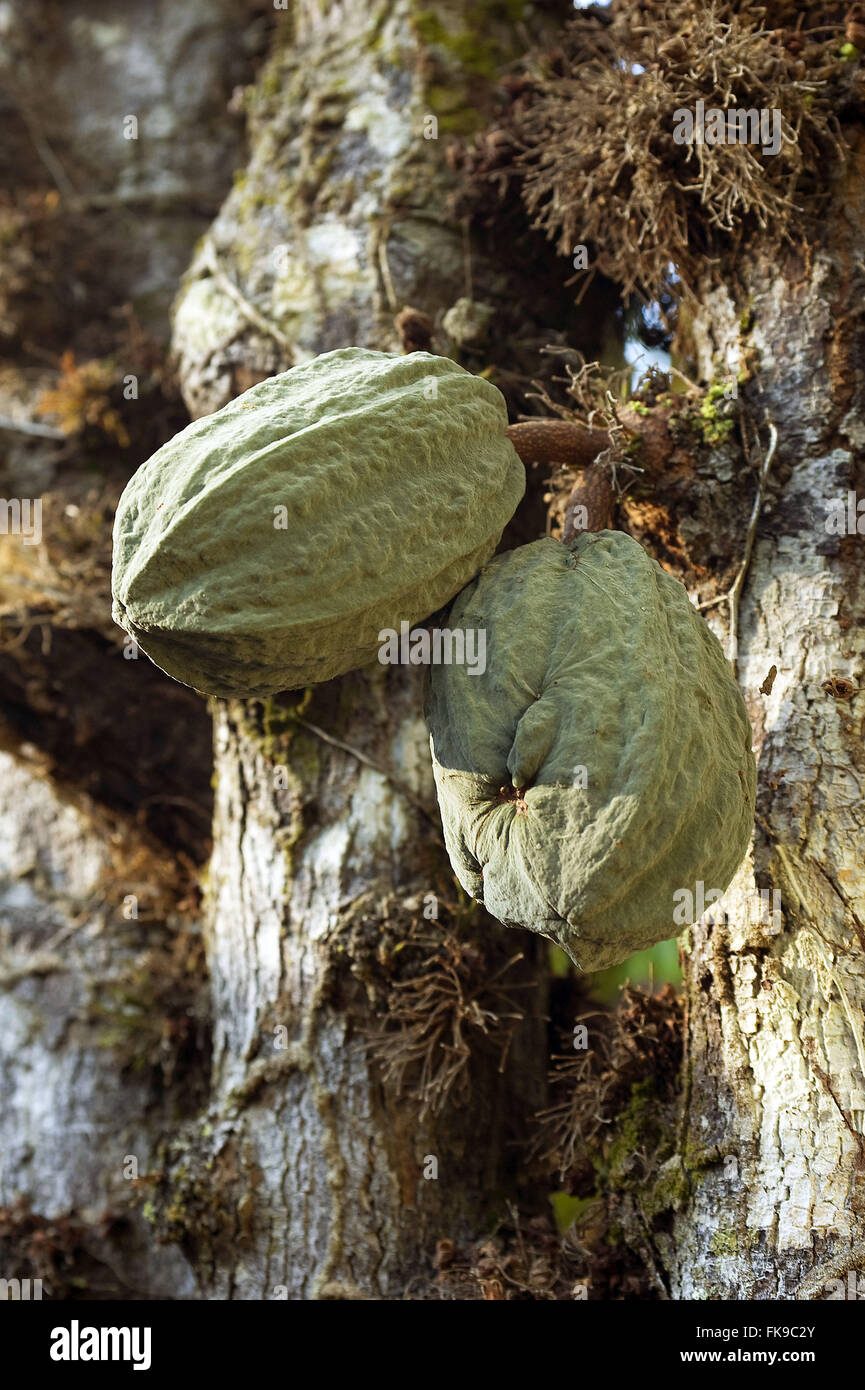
column 330, row 894
column 103, row 1025
column 772, row 1143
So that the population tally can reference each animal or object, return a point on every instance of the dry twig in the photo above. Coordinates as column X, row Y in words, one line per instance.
column 733, row 594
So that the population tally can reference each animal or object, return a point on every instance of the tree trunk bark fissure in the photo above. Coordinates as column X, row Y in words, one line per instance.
column 309, row 853
column 773, row 1135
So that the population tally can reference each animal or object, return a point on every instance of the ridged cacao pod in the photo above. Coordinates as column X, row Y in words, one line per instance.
column 600, row 768
column 265, row 546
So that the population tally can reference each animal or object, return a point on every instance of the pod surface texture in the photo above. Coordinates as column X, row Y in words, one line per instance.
column 602, row 761
column 396, row 478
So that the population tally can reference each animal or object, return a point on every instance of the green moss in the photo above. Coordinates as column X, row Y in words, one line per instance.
column 716, row 431
column 279, row 715
column 270, row 82
column 272, row 726
column 714, row 425
column 696, row 1156
column 477, row 53
column 193, row 1195
column 632, row 447
column 455, row 115
column 478, row 46
column 670, row 1190
column 646, row 1127
column 724, row 1242
column 10, row 230
column 630, row 1133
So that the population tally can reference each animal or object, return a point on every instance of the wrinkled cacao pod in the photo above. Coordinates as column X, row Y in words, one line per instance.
column 599, row 770
column 265, row 546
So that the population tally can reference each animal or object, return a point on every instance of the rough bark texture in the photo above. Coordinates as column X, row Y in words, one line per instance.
column 341, row 219
column 76, row 989
column 321, row 866
column 101, row 975
column 762, row 1196
column 773, row 1129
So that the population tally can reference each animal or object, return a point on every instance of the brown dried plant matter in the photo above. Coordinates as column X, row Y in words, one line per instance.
column 528, row 1260
column 444, row 1006
column 636, row 1047
column 60, row 1251
column 587, row 139
column 641, row 1041
column 65, row 581
column 415, row 329
column 592, row 446
column 82, row 397
column 522, row 1260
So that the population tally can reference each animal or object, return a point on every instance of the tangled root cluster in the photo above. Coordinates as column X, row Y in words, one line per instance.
column 588, row 134
column 448, row 1001
column 590, row 1089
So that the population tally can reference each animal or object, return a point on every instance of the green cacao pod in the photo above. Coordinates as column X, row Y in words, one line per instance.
column 266, row 546
column 599, row 769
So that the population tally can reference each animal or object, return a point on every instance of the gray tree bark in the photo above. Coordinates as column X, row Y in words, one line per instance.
column 93, row 220
column 325, row 865
column 772, row 1130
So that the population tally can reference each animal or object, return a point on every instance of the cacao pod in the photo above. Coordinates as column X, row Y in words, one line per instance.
column 596, row 779
column 265, row 546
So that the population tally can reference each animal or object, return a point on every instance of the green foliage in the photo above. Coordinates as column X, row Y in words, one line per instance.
column 656, row 967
